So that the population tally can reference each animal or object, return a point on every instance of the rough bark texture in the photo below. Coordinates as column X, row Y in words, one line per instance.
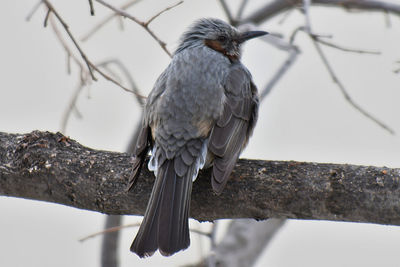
column 51, row 167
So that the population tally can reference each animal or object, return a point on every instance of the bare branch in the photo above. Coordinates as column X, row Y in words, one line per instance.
column 107, row 19
column 285, row 15
column 34, row 9
column 243, row 242
column 83, row 72
column 213, row 241
column 306, row 10
column 70, row 108
column 91, row 7
column 128, row 76
column 280, row 44
column 162, row 11
column 47, row 17
column 127, row 15
column 227, row 12
column 90, row 65
column 280, row 72
column 109, row 245
column 66, row 28
column 54, row 168
column 346, row 49
column 109, row 230
column 275, row 7
column 315, row 38
column 344, row 91
column 241, row 9
column 109, row 78
column 120, row 227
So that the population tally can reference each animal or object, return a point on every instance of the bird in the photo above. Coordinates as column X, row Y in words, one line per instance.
column 200, row 114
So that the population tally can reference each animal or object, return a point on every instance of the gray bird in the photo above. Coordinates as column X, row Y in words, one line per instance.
column 200, row 113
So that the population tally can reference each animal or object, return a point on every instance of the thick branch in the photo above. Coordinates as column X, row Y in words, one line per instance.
column 51, row 167
column 243, row 242
column 276, row 7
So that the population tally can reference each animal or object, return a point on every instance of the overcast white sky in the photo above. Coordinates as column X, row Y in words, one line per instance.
column 305, row 118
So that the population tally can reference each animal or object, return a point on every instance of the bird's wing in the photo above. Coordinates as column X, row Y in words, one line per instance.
column 144, row 140
column 143, row 144
column 230, row 134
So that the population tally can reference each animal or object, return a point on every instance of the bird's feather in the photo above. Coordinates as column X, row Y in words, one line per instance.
column 140, row 152
column 165, row 223
column 231, row 132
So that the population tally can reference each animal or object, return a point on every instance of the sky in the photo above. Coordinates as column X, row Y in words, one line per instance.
column 304, row 118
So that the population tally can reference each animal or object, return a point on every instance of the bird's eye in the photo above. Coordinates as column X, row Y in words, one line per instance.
column 222, row 38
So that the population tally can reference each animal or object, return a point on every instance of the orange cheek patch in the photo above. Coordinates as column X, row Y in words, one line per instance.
column 213, row 44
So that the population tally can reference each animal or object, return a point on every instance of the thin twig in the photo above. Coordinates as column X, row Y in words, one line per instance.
column 107, row 68
column 68, row 51
column 345, row 49
column 66, row 28
column 128, row 76
column 109, row 230
column 90, row 65
column 241, row 9
column 335, row 79
column 34, row 9
column 109, row 78
column 227, row 11
column 47, row 17
column 127, row 15
column 107, row 19
column 344, row 91
column 120, row 23
column 280, row 44
column 279, row 73
column 118, row 228
column 162, row 11
column 71, row 107
column 68, row 63
column 285, row 16
column 91, row 7
column 200, row 233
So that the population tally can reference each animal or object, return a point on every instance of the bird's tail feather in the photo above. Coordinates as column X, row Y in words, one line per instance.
column 165, row 223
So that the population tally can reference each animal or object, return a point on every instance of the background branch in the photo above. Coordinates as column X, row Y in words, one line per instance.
column 51, row 167
column 109, row 245
column 108, row 19
column 141, row 23
column 243, row 243
column 271, row 9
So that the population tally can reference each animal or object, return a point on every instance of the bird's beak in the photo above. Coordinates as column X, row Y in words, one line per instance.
column 250, row 35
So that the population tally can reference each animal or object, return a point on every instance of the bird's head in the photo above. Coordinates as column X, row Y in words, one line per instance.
column 217, row 35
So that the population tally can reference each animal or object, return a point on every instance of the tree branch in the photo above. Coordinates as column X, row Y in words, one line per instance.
column 141, row 23
column 243, row 242
column 51, row 167
column 276, row 7
column 109, row 246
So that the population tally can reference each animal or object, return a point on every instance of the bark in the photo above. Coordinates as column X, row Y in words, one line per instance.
column 50, row 167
